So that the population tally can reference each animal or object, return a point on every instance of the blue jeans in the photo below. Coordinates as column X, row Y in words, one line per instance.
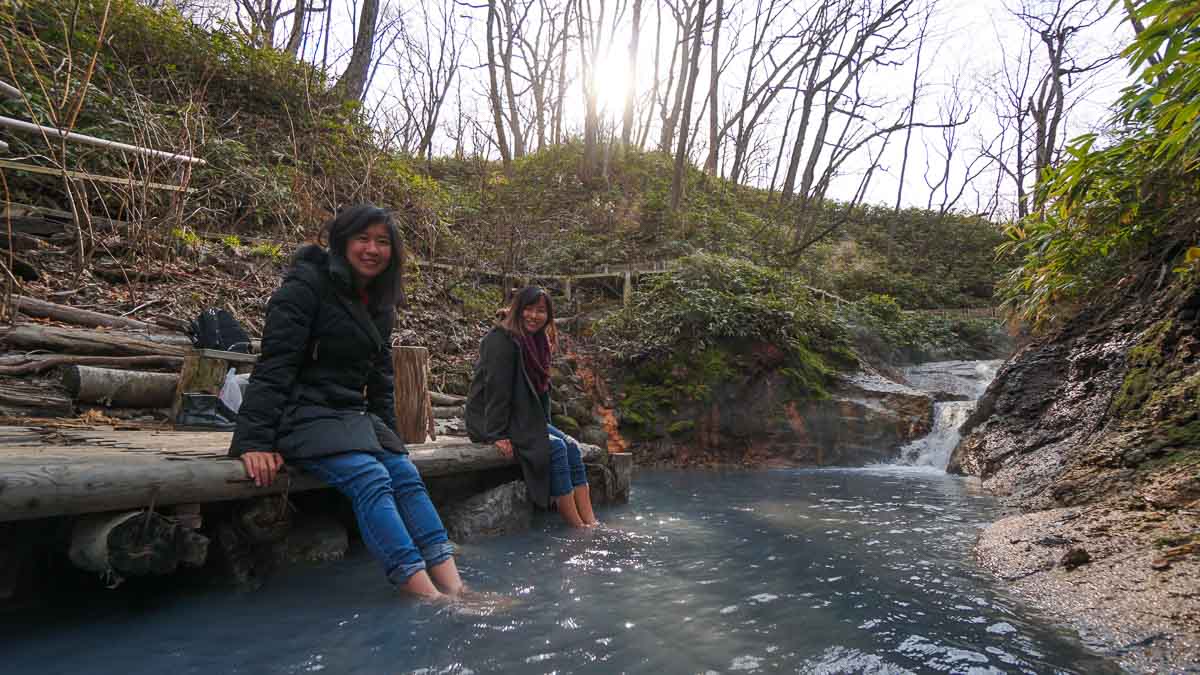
column 566, row 463
column 398, row 522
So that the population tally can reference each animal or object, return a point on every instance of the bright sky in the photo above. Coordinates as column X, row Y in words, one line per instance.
column 969, row 40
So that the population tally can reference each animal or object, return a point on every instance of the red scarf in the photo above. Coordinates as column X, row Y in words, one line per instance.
column 536, row 350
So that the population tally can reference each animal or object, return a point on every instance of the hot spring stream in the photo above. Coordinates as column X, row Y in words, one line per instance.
column 803, row 570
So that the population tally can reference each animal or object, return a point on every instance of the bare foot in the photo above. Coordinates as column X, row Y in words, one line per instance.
column 483, row 603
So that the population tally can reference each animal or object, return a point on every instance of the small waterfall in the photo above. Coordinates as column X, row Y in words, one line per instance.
column 962, row 378
column 934, row 450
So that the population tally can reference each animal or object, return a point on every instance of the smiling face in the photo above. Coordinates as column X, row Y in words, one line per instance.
column 369, row 252
column 533, row 317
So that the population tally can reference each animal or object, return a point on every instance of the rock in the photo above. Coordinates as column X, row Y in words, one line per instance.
column 579, row 408
column 1075, row 557
column 497, row 511
column 1160, row 564
column 318, row 538
column 594, row 435
column 566, row 424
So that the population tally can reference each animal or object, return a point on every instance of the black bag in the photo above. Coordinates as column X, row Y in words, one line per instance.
column 217, row 329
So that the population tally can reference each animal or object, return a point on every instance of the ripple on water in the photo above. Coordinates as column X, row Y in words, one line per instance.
column 816, row 571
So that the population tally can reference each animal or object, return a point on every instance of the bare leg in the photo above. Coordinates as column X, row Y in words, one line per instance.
column 421, row 586
column 445, row 575
column 583, row 504
column 568, row 511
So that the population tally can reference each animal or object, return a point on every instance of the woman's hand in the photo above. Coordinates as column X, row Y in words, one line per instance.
column 262, row 466
column 505, row 447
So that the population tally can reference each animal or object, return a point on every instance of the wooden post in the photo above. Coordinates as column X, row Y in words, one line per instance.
column 567, row 288
column 413, row 407
column 204, row 373
column 627, row 289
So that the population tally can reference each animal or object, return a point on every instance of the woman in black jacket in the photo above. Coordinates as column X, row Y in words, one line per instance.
column 509, row 406
column 321, row 397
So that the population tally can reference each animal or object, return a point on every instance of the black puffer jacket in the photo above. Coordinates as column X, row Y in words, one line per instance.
column 503, row 404
column 322, row 350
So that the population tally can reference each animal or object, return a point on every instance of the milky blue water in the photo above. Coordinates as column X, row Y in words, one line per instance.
column 814, row 571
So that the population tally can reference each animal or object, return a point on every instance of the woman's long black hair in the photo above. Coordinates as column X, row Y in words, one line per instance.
column 387, row 289
column 512, row 321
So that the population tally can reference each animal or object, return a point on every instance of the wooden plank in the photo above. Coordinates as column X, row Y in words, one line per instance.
column 95, row 470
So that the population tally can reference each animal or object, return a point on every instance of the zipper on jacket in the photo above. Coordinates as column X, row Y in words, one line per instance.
column 316, row 348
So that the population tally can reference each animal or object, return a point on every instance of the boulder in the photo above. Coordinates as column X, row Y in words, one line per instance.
column 500, row 510
column 316, row 538
column 594, row 435
column 566, row 424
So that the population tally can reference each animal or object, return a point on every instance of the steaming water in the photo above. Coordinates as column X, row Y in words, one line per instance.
column 960, row 378
column 814, row 571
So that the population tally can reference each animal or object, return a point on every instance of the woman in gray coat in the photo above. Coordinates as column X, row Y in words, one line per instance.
column 509, row 406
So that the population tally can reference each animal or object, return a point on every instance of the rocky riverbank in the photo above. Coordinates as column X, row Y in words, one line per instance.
column 1091, row 433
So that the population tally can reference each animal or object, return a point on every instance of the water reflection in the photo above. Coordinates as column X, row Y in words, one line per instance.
column 822, row 571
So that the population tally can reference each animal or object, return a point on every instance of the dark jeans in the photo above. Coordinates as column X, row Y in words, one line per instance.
column 566, row 463
column 398, row 522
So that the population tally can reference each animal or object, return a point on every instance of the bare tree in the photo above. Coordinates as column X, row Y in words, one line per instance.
column 714, row 91
column 494, row 86
column 426, row 68
column 589, row 27
column 912, row 108
column 354, row 79
column 693, row 69
column 631, row 89
column 1038, row 86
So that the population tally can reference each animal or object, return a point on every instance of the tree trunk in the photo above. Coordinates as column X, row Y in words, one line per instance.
column 714, row 133
column 168, row 468
column 679, row 177
column 438, row 398
column 296, row 38
column 80, row 317
column 514, row 111
column 562, row 74
column 413, row 409
column 494, row 87
column 631, row 90
column 120, row 388
column 80, row 341
column 134, row 543
column 445, row 412
column 25, row 400
column 353, row 81
column 670, row 116
column 36, row 363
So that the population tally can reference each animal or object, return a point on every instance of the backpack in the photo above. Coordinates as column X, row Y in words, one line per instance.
column 217, row 329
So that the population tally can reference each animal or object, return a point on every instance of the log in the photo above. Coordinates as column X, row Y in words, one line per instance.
column 443, row 412
column 46, row 481
column 413, row 409
column 94, row 342
column 36, row 363
column 116, row 545
column 80, row 317
column 23, row 400
column 438, row 398
column 120, row 388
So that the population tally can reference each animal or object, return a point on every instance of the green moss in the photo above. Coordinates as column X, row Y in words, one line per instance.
column 566, row 423
column 270, row 251
column 681, row 427
column 1145, row 371
column 1176, row 540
